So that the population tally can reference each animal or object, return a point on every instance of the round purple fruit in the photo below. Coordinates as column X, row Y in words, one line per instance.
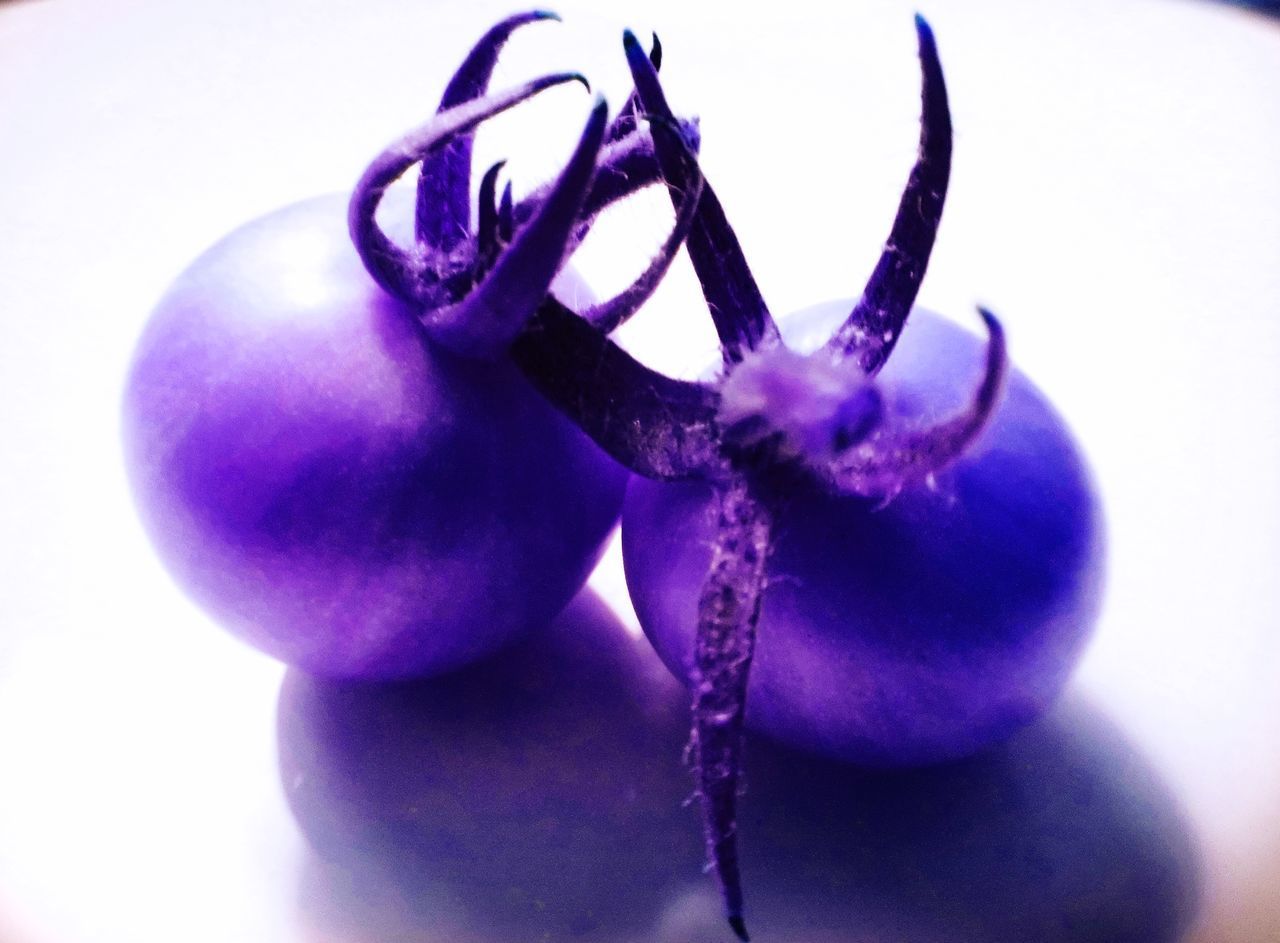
column 911, row 630
column 334, row 487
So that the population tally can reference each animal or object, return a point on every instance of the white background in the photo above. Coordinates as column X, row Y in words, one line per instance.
column 1114, row 197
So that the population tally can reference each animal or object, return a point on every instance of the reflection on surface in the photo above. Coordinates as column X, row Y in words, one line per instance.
column 1062, row 834
column 538, row 796
column 537, row 793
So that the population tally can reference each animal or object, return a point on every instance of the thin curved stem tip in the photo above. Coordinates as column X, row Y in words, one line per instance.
column 488, row 318
column 443, row 217
column 891, row 459
column 629, row 115
column 489, row 237
column 875, row 323
column 609, row 315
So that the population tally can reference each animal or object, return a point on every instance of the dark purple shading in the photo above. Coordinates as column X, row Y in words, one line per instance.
column 562, row 815
column 741, row 318
column 860, row 415
column 488, row 227
column 506, row 214
column 875, row 324
column 443, row 216
column 655, row 426
column 1065, row 834
column 488, row 317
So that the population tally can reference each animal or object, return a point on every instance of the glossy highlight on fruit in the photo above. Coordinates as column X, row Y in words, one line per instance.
column 912, row 631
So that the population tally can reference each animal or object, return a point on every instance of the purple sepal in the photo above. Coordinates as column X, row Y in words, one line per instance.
column 488, row 318
column 488, row 228
column 875, row 324
column 655, row 426
column 409, row 275
column 628, row 117
column 625, row 167
column 443, row 217
column 506, row 215
column 609, row 315
column 631, row 164
column 890, row 459
column 741, row 317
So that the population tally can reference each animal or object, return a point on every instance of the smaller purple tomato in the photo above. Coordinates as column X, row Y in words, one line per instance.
column 912, row 631
column 335, row 488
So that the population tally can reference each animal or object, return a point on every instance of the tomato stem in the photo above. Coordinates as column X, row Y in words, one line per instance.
column 476, row 297
column 624, row 168
column 609, row 315
column 655, row 426
column 443, row 217
column 741, row 317
column 408, row 275
column 728, row 612
column 484, row 322
column 628, row 116
column 875, row 323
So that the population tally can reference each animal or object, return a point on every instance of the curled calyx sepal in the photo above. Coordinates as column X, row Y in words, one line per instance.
column 476, row 289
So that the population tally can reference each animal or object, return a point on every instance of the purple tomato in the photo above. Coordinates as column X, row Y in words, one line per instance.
column 909, row 631
column 335, row 488
column 328, row 441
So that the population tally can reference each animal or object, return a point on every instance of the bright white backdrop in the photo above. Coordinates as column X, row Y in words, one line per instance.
column 1114, row 198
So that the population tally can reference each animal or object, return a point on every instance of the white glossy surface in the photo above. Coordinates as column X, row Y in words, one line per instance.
column 1114, row 197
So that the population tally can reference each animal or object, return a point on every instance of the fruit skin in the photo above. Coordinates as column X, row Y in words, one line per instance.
column 917, row 631
column 332, row 487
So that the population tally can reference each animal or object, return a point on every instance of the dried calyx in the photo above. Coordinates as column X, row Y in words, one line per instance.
column 771, row 413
